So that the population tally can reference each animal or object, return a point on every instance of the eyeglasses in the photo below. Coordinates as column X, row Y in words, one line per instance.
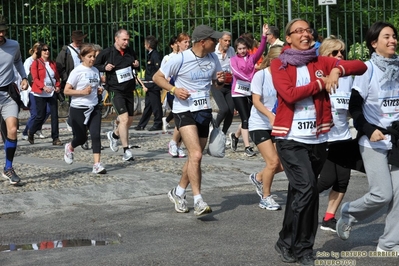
column 268, row 34
column 335, row 52
column 301, row 30
column 45, row 50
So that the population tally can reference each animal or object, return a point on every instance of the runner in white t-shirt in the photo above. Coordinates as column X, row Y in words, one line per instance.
column 84, row 86
column 194, row 71
column 260, row 128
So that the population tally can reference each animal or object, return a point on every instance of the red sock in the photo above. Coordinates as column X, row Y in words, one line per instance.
column 329, row 216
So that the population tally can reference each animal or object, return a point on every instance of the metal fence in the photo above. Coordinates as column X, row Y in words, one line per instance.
column 53, row 21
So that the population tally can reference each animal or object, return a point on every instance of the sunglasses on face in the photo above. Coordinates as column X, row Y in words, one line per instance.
column 46, row 49
column 335, row 52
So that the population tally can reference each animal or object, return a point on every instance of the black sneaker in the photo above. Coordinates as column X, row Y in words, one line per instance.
column 31, row 138
column 249, row 151
column 12, row 176
column 329, row 225
column 306, row 259
column 234, row 141
column 286, row 254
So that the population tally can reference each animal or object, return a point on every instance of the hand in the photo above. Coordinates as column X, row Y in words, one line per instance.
column 145, row 88
column 220, row 76
column 87, row 90
column 265, row 29
column 182, row 93
column 47, row 89
column 100, row 90
column 57, row 89
column 109, row 67
column 377, row 136
column 136, row 63
column 24, row 84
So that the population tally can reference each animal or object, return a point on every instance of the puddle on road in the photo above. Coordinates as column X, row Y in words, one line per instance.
column 35, row 242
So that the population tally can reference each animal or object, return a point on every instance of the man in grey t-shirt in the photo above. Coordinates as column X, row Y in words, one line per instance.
column 10, row 55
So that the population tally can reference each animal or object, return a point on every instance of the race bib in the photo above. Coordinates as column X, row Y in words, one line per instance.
column 389, row 101
column 124, row 74
column 340, row 100
column 199, row 101
column 304, row 122
column 243, row 87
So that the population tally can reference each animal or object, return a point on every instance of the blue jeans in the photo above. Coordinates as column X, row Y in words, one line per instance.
column 33, row 114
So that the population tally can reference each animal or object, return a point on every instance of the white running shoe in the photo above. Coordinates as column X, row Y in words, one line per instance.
column 128, row 156
column 181, row 153
column 113, row 143
column 98, row 169
column 69, row 128
column 68, row 155
column 165, row 125
column 173, row 149
column 39, row 134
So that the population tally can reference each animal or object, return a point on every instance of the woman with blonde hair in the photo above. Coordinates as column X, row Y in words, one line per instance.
column 260, row 127
column 332, row 174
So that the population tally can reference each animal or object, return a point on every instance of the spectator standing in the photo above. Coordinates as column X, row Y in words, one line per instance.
column 118, row 62
column 273, row 36
column 153, row 103
column 332, row 174
column 303, row 118
column 84, row 86
column 373, row 112
column 260, row 128
column 192, row 108
column 45, row 86
column 10, row 55
column 243, row 68
column 222, row 96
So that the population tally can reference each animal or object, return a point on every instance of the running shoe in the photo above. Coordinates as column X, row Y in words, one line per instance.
column 25, row 137
column 98, row 169
column 11, row 175
column 128, row 156
column 343, row 230
column 39, row 134
column 173, row 149
column 329, row 225
column 69, row 128
column 233, row 141
column 269, row 204
column 201, row 207
column 181, row 153
column 165, row 125
column 258, row 185
column 180, row 202
column 249, row 151
column 68, row 155
column 113, row 143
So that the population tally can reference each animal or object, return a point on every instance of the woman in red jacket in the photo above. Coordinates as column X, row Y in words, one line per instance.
column 303, row 81
column 46, row 83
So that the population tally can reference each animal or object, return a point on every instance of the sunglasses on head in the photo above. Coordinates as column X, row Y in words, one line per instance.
column 335, row 52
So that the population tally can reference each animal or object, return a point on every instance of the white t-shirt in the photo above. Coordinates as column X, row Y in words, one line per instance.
column 49, row 81
column 195, row 75
column 75, row 56
column 303, row 127
column 262, row 85
column 27, row 64
column 167, row 57
column 381, row 103
column 225, row 62
column 80, row 77
column 339, row 110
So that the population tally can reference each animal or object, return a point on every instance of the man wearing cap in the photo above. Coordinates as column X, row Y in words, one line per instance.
column 68, row 58
column 194, row 71
column 10, row 55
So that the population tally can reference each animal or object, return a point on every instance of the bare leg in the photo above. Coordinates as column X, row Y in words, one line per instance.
column 125, row 121
column 334, row 200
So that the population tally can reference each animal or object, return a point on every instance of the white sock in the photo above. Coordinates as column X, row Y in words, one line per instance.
column 180, row 191
column 197, row 198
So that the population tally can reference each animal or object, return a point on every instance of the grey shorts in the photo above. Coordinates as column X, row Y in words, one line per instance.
column 8, row 107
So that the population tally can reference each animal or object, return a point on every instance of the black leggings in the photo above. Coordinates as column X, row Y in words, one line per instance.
column 243, row 106
column 80, row 130
column 225, row 104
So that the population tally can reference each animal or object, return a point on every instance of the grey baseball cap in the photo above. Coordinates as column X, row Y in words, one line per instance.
column 202, row 32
